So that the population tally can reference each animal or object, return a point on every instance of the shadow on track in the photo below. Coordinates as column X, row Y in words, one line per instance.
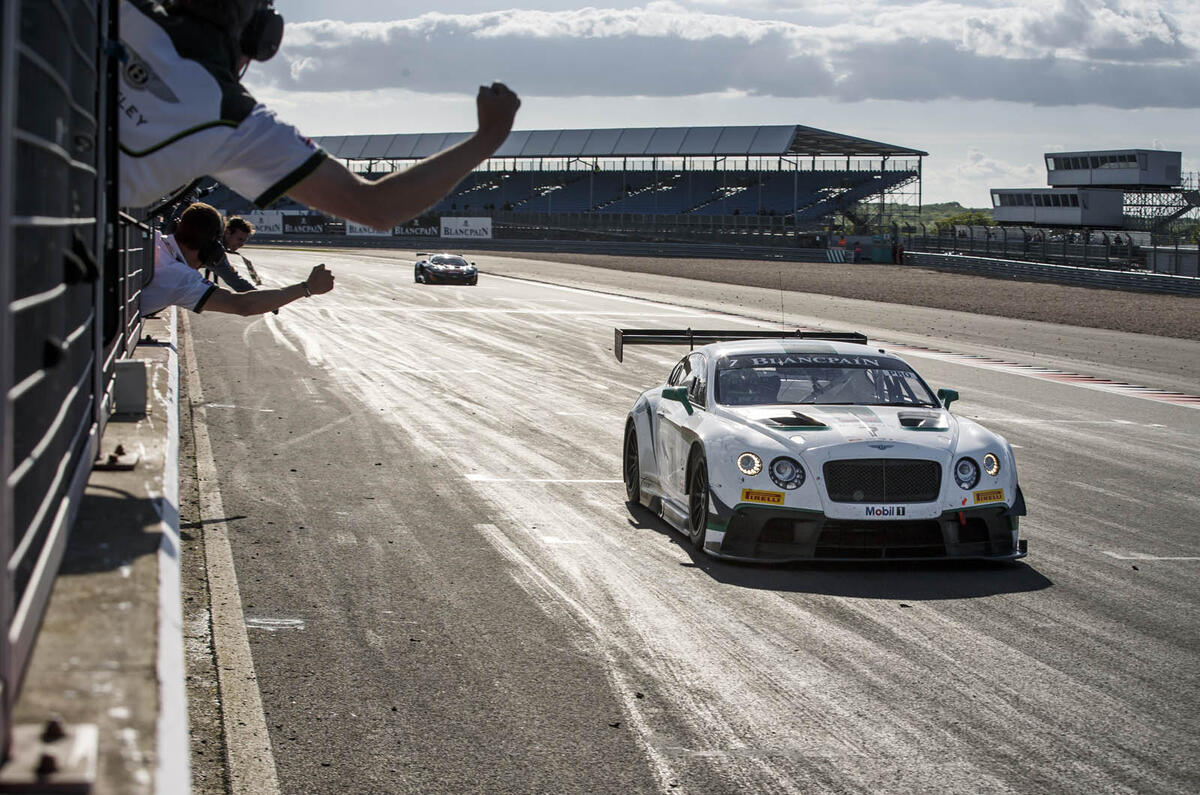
column 911, row 581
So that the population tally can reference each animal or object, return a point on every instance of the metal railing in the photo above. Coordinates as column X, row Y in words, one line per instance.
column 1114, row 249
column 70, row 273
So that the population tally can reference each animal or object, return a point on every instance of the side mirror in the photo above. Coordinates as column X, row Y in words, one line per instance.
column 947, row 396
column 680, row 394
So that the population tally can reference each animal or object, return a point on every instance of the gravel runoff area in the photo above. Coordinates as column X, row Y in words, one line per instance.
column 1141, row 313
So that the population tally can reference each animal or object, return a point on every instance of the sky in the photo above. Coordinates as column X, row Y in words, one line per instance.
column 985, row 86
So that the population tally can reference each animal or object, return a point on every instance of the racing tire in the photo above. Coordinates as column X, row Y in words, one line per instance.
column 631, row 465
column 474, row 281
column 698, row 500
column 418, row 277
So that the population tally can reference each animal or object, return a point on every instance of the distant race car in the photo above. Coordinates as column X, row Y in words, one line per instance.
column 444, row 269
column 784, row 446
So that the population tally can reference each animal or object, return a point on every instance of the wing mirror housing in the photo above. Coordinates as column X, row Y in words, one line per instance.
column 947, row 396
column 680, row 394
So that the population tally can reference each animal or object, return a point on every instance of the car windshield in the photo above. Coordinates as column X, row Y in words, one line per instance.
column 819, row 379
column 457, row 262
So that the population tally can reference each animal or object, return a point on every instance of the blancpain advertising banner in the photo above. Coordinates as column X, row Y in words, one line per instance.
column 266, row 222
column 362, row 231
column 413, row 230
column 465, row 228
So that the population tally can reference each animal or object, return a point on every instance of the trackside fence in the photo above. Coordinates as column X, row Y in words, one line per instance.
column 71, row 268
column 1138, row 281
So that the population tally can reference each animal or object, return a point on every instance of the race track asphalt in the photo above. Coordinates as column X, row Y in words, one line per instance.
column 446, row 591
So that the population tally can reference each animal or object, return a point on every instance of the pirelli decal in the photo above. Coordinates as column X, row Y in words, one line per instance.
column 991, row 495
column 763, row 497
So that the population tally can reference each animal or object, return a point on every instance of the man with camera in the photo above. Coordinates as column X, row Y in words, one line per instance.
column 196, row 244
column 185, row 114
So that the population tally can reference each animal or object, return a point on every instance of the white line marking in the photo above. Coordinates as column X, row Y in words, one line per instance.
column 439, row 310
column 490, row 479
column 1144, row 556
column 231, row 406
column 557, row 540
column 453, row 371
column 248, row 753
column 173, row 770
column 1141, row 392
column 275, row 624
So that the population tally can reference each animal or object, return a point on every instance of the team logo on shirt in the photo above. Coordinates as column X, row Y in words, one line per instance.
column 140, row 77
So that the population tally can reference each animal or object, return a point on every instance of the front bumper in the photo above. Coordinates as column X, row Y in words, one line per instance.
column 444, row 277
column 764, row 534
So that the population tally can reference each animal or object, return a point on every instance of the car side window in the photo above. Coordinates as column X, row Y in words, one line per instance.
column 679, row 373
column 697, row 382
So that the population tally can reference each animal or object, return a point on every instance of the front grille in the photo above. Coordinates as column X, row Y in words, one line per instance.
column 845, row 539
column 883, row 480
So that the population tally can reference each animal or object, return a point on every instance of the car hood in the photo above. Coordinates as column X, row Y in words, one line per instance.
column 821, row 426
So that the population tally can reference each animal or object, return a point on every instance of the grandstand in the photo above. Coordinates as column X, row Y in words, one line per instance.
column 797, row 177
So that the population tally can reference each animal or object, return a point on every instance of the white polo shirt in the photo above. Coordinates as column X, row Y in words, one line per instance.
column 175, row 283
column 184, row 115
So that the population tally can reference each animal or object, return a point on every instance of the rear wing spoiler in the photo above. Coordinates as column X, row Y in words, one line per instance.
column 694, row 337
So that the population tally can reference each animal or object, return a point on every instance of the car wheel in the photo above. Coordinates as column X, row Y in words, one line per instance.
column 632, row 469
column 474, row 281
column 698, row 501
column 418, row 277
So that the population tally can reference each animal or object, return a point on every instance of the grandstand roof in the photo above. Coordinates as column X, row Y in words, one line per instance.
column 769, row 141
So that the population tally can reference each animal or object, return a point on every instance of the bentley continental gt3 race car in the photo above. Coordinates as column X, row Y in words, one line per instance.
column 785, row 446
column 444, row 269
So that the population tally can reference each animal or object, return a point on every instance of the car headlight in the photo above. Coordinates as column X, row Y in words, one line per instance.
column 966, row 473
column 786, row 473
column 991, row 464
column 749, row 464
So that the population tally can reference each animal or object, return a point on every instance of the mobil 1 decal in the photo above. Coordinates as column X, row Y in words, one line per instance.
column 884, row 511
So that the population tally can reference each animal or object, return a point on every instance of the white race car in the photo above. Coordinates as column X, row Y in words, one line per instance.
column 782, row 446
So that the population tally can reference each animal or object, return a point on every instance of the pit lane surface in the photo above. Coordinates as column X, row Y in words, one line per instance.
column 446, row 591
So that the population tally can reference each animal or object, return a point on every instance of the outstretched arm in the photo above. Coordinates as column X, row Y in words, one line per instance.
column 404, row 195
column 259, row 301
column 225, row 272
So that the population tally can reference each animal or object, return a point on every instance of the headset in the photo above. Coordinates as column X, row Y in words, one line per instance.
column 211, row 251
column 263, row 32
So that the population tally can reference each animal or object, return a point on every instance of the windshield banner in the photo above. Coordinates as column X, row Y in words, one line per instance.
column 462, row 228
column 812, row 360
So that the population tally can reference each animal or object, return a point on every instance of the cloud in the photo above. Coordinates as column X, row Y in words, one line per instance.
column 1120, row 53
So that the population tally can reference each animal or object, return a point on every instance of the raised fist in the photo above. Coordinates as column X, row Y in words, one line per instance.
column 320, row 280
column 496, row 106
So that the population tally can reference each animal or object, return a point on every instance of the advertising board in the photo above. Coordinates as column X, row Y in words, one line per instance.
column 298, row 224
column 411, row 230
column 466, row 228
column 267, row 222
column 359, row 230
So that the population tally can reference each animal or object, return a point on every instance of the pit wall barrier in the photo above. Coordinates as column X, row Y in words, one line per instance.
column 71, row 271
